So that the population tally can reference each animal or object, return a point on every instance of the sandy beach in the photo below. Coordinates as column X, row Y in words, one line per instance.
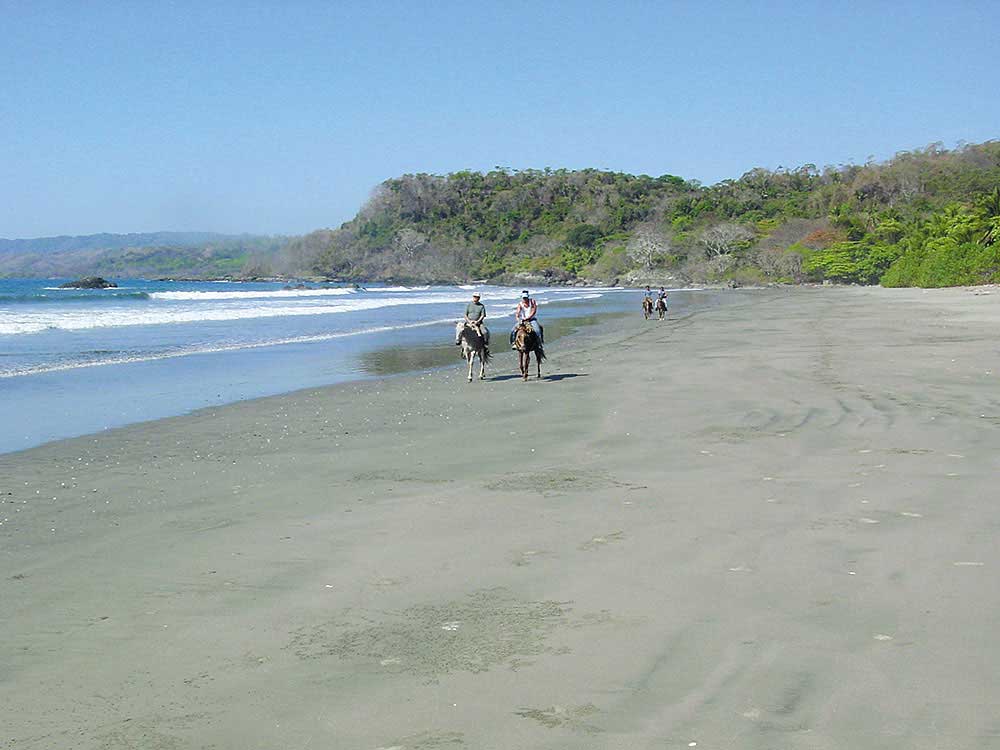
column 769, row 523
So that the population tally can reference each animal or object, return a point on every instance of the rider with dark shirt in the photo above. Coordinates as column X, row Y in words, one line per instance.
column 475, row 317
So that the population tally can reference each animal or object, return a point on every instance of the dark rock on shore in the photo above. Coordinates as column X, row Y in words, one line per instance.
column 91, row 282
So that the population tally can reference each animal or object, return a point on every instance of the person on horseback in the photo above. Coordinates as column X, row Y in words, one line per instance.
column 475, row 317
column 525, row 312
column 662, row 296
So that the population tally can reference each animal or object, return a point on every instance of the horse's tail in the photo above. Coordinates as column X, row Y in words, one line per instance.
column 540, row 352
column 486, row 356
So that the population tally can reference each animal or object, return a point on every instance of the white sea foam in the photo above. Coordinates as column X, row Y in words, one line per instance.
column 258, row 294
column 195, row 307
column 216, row 348
column 36, row 321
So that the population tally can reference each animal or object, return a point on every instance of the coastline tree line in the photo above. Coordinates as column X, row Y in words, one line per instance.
column 929, row 217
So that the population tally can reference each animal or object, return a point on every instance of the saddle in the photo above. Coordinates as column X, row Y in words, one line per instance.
column 522, row 334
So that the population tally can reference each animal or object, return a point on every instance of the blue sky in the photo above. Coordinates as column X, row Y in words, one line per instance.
column 280, row 117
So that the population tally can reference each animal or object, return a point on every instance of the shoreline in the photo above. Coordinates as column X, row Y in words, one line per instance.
column 387, row 361
column 64, row 383
column 737, row 528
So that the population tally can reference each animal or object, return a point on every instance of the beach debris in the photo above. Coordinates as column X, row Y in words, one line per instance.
column 741, row 569
column 451, row 626
column 882, row 637
column 868, row 520
column 968, row 564
column 908, row 514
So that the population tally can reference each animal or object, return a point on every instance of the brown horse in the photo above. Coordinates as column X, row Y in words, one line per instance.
column 661, row 308
column 526, row 341
column 474, row 345
column 647, row 307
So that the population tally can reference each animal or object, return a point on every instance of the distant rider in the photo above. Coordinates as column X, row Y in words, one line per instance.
column 525, row 312
column 662, row 297
column 475, row 317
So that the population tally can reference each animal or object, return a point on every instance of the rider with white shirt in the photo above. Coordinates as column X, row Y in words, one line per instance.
column 526, row 312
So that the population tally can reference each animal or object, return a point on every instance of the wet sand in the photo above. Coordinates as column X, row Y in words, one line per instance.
column 768, row 524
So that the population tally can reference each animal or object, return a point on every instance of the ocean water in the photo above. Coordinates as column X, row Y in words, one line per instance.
column 74, row 362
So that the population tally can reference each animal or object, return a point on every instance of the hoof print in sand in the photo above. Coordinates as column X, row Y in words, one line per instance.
column 427, row 741
column 472, row 634
column 602, row 541
column 560, row 482
column 563, row 717
column 526, row 557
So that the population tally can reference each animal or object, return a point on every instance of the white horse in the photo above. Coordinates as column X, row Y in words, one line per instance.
column 474, row 345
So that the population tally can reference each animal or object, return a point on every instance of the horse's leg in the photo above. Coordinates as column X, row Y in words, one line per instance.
column 482, row 369
column 470, row 356
column 538, row 363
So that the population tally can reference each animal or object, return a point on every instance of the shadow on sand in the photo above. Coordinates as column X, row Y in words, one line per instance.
column 553, row 378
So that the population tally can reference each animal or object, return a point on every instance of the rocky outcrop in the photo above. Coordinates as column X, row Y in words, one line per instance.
column 91, row 282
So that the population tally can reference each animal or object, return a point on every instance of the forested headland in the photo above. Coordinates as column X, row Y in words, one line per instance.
column 929, row 217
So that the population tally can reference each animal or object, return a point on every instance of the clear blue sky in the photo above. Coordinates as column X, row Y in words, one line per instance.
column 280, row 117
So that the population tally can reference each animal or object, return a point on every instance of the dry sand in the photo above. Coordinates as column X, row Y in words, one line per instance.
column 770, row 524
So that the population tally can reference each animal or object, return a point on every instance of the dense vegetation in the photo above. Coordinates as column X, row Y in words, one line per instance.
column 163, row 254
column 929, row 217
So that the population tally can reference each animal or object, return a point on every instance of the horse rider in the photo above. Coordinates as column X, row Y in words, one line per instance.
column 475, row 318
column 525, row 312
column 661, row 296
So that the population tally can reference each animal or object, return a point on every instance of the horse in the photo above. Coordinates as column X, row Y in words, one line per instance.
column 474, row 345
column 661, row 308
column 647, row 307
column 526, row 341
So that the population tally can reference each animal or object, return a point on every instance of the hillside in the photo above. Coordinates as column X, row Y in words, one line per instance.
column 105, row 241
column 187, row 254
column 929, row 217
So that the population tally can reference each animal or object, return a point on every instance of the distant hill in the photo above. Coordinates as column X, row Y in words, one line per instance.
column 105, row 241
column 152, row 254
column 929, row 217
